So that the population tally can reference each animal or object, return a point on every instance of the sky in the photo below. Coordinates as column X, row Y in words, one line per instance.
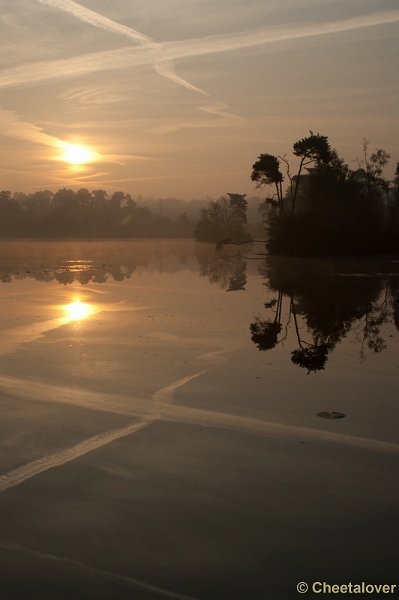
column 179, row 97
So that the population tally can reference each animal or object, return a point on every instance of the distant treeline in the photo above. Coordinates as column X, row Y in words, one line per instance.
column 89, row 214
column 84, row 213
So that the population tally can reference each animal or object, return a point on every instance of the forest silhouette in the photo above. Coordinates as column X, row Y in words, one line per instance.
column 85, row 214
column 328, row 208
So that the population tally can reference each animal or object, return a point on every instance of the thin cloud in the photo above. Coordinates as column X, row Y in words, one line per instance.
column 34, row 73
column 93, row 95
column 93, row 176
column 218, row 109
column 163, row 67
column 12, row 126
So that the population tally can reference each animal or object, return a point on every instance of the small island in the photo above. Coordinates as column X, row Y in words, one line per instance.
column 328, row 208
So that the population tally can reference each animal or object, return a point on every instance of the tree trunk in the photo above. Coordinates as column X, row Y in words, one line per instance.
column 297, row 186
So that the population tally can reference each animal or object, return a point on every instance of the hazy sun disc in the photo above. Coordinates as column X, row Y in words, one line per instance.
column 77, row 155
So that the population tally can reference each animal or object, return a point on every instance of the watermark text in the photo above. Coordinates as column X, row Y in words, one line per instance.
column 324, row 587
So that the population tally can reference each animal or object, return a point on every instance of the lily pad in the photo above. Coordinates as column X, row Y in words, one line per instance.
column 331, row 415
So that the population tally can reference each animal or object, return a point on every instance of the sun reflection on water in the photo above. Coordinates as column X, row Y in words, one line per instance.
column 78, row 310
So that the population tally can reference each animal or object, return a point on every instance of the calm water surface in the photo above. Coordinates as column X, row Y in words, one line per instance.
column 184, row 423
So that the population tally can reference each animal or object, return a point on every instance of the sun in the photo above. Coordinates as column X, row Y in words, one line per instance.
column 75, row 154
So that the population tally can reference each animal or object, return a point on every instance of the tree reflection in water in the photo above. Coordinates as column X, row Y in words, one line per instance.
column 327, row 299
column 265, row 332
column 226, row 268
column 319, row 301
column 84, row 262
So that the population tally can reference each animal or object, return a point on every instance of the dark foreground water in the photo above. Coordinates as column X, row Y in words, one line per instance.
column 180, row 423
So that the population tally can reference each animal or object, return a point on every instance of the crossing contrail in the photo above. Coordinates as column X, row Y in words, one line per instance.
column 120, row 58
column 163, row 67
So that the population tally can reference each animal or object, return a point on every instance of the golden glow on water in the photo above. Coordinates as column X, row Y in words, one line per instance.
column 78, row 311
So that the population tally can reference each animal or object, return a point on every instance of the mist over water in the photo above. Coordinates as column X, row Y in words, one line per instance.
column 190, row 423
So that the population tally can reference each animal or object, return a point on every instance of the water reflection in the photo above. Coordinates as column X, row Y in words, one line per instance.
column 78, row 310
column 321, row 302
column 317, row 303
column 227, row 268
column 100, row 262
column 91, row 262
column 313, row 304
column 66, row 273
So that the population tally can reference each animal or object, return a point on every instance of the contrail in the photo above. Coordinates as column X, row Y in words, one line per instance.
column 100, row 21
column 34, row 73
column 271, row 35
column 166, row 69
column 29, row 470
column 163, row 67
column 107, row 575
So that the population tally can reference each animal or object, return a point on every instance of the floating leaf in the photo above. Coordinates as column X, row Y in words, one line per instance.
column 331, row 415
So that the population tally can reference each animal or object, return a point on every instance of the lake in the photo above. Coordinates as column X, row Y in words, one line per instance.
column 188, row 423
